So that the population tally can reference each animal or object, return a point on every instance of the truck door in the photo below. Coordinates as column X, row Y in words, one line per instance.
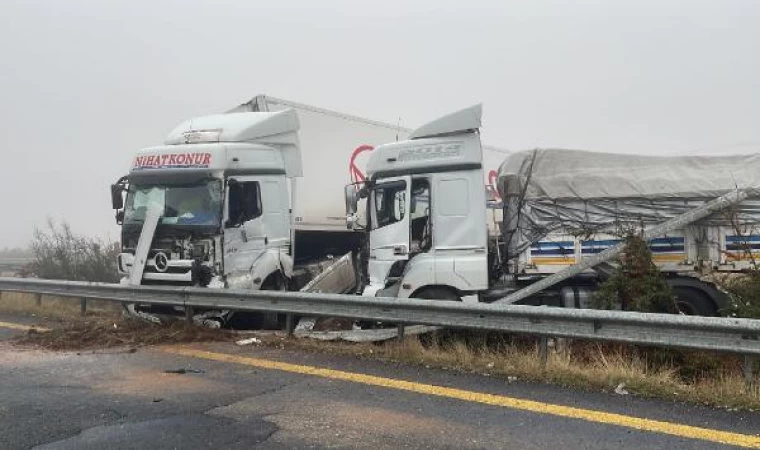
column 242, row 226
column 389, row 206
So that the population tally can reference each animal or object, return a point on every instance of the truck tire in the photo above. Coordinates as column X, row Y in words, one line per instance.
column 437, row 293
column 694, row 302
column 262, row 320
column 272, row 320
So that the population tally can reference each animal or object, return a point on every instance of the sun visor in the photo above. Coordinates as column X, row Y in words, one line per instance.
column 170, row 177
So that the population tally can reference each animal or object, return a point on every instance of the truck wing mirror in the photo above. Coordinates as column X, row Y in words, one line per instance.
column 117, row 200
column 352, row 199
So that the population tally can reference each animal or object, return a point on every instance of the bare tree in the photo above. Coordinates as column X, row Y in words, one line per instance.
column 62, row 255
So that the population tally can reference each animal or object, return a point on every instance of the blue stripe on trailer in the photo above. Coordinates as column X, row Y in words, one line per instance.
column 666, row 245
column 743, row 243
column 594, row 247
column 552, row 244
column 657, row 245
column 667, row 240
column 742, row 247
column 606, row 242
column 555, row 252
column 552, row 248
column 754, row 238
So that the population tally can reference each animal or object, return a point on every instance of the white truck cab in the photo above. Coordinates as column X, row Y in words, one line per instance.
column 425, row 210
column 427, row 222
column 219, row 189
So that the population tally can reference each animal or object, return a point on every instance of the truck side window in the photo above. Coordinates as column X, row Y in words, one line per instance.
column 244, row 202
column 421, row 238
column 389, row 203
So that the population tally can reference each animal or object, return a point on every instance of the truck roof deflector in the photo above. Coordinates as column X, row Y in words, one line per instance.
column 239, row 127
column 457, row 122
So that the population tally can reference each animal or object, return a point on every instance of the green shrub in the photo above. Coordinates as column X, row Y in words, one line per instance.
column 744, row 294
column 636, row 284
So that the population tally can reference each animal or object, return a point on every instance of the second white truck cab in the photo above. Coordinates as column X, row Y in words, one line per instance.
column 428, row 223
column 426, row 208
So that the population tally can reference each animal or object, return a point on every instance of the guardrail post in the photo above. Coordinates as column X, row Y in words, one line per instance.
column 289, row 325
column 38, row 300
column 543, row 351
column 401, row 330
column 82, row 306
column 748, row 372
column 189, row 313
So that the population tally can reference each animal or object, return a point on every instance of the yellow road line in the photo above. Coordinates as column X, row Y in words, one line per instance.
column 675, row 429
column 16, row 326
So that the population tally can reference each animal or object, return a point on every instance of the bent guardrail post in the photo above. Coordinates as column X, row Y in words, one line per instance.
column 290, row 325
column 543, row 351
column 748, row 360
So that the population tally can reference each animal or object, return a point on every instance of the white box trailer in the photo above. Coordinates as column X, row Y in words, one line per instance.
column 335, row 150
column 334, row 147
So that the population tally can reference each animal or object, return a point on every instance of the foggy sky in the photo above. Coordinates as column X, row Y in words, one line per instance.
column 83, row 84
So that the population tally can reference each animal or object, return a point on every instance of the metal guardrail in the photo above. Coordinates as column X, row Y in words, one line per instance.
column 15, row 263
column 731, row 335
column 705, row 333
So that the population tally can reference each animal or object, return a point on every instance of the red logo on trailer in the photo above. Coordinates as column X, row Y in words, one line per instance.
column 356, row 174
column 492, row 177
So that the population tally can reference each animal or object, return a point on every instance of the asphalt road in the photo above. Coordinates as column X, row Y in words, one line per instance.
column 243, row 397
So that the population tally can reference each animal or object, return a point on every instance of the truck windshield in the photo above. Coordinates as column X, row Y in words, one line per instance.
column 192, row 204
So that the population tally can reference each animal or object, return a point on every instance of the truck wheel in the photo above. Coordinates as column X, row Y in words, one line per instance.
column 436, row 293
column 271, row 320
column 693, row 302
column 261, row 320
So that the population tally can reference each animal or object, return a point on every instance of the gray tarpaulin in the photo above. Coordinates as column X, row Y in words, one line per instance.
column 581, row 192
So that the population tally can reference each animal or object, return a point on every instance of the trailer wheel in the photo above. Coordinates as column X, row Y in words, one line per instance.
column 693, row 302
column 437, row 293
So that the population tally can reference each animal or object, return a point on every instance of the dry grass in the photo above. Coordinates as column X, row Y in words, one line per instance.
column 697, row 377
column 54, row 307
column 645, row 372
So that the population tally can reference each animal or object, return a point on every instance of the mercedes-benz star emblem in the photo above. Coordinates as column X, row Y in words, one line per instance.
column 161, row 262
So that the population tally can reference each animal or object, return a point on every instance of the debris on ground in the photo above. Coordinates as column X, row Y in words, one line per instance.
column 125, row 332
column 333, row 324
column 249, row 341
column 370, row 335
column 336, row 329
column 620, row 389
column 183, row 370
